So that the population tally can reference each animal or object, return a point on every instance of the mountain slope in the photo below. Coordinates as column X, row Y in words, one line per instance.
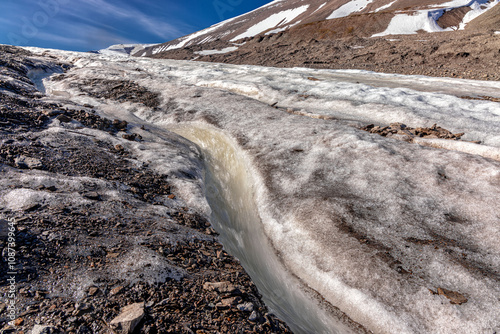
column 337, row 18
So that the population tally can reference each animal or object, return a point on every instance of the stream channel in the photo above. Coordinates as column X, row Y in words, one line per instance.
column 235, row 216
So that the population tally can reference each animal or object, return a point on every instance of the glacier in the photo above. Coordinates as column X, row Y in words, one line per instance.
column 356, row 224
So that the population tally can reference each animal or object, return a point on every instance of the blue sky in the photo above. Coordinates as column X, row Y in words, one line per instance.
column 84, row 25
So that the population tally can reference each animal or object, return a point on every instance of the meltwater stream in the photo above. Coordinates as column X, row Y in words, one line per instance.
column 235, row 217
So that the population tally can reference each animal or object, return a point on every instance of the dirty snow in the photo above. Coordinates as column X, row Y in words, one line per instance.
column 429, row 216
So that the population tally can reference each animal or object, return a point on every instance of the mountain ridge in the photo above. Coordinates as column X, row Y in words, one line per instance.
column 337, row 18
column 443, row 39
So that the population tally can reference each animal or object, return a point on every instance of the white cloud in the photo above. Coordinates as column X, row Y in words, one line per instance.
column 151, row 24
column 57, row 38
column 5, row 21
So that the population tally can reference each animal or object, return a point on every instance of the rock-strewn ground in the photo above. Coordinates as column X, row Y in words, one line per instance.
column 460, row 54
column 97, row 230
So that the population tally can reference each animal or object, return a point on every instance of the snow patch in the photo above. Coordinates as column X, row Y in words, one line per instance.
column 185, row 40
column 406, row 24
column 478, row 8
column 281, row 29
column 143, row 264
column 352, row 6
column 385, row 6
column 124, row 50
column 215, row 52
column 23, row 199
column 454, row 4
column 272, row 21
column 317, row 9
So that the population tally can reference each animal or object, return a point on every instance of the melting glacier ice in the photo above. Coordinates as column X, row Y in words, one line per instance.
column 373, row 225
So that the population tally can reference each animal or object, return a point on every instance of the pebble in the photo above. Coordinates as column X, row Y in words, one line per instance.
column 254, row 317
column 24, row 162
column 116, row 290
column 245, row 307
column 64, row 119
column 220, row 287
column 454, row 296
column 44, row 329
column 93, row 291
column 120, row 125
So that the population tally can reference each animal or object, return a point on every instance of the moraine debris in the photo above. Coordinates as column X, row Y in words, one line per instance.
column 403, row 132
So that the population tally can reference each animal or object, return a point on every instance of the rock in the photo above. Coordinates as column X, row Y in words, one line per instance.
column 81, row 309
column 227, row 303
column 230, row 301
column 398, row 126
column 129, row 318
column 2, row 307
column 454, row 297
column 43, row 329
column 245, row 307
column 39, row 294
column 132, row 137
column 24, row 162
column 93, row 291
column 92, row 196
column 220, row 287
column 51, row 113
column 120, row 125
column 119, row 148
column 254, row 317
column 116, row 290
column 84, row 330
column 64, row 119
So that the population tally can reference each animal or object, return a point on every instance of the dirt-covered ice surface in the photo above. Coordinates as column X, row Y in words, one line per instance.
column 395, row 235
